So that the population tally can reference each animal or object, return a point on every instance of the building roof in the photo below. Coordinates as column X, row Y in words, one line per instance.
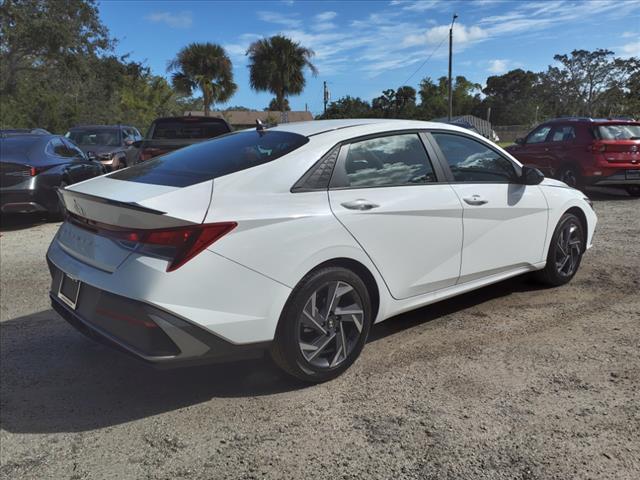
column 249, row 117
column 483, row 126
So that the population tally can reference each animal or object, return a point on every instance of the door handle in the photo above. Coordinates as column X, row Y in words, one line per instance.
column 359, row 204
column 475, row 200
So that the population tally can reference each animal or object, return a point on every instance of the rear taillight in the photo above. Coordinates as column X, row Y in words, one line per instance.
column 178, row 244
column 598, row 147
column 33, row 171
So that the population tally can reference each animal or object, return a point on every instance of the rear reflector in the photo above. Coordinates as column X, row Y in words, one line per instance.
column 178, row 244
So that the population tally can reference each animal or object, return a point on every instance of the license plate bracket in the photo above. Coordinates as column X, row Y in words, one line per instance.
column 69, row 290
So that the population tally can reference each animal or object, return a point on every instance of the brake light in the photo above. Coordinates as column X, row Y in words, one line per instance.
column 598, row 147
column 33, row 171
column 178, row 244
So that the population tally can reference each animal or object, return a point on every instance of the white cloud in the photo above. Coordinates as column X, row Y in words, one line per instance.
column 279, row 18
column 173, row 20
column 462, row 35
column 631, row 35
column 326, row 16
column 628, row 50
column 498, row 66
column 417, row 6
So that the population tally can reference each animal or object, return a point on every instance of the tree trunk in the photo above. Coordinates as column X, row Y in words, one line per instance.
column 280, row 101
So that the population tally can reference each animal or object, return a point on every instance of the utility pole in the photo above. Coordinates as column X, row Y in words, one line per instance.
column 450, row 59
column 325, row 96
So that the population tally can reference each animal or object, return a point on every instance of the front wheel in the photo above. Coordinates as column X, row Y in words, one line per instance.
column 565, row 251
column 324, row 325
column 571, row 177
column 634, row 190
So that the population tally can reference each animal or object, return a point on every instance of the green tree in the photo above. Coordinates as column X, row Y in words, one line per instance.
column 512, row 97
column 203, row 66
column 347, row 107
column 385, row 104
column 405, row 99
column 277, row 65
column 273, row 105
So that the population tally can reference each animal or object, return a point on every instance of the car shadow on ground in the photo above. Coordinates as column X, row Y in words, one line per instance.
column 10, row 222
column 608, row 193
column 56, row 380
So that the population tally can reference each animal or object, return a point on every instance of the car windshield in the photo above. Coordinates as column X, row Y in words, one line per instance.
column 188, row 129
column 618, row 132
column 214, row 158
column 95, row 136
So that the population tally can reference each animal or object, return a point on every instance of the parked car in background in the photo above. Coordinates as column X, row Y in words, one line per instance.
column 585, row 151
column 23, row 131
column 111, row 145
column 171, row 133
column 34, row 166
column 298, row 238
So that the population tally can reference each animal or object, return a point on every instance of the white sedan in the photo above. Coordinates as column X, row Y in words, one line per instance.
column 296, row 239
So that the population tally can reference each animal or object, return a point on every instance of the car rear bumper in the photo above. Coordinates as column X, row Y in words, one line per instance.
column 144, row 331
column 20, row 201
column 620, row 178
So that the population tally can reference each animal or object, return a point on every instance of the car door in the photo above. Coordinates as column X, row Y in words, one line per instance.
column 535, row 149
column 562, row 148
column 387, row 194
column 505, row 222
column 80, row 167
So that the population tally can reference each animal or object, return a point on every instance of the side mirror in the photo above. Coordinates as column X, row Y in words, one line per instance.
column 531, row 175
column 519, row 141
column 137, row 143
column 92, row 156
column 128, row 142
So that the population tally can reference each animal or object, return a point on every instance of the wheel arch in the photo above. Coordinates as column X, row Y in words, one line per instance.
column 577, row 211
column 362, row 271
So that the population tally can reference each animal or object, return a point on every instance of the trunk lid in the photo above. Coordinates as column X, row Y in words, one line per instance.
column 125, row 204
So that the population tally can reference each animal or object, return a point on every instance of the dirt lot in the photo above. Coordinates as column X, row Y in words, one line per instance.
column 511, row 382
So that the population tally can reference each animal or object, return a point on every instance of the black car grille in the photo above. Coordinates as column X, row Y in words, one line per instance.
column 13, row 173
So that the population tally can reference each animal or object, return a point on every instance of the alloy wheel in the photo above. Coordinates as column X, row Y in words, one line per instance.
column 568, row 249
column 569, row 177
column 330, row 325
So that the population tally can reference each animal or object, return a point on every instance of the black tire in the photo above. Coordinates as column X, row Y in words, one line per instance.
column 59, row 212
column 634, row 190
column 572, row 177
column 287, row 348
column 556, row 273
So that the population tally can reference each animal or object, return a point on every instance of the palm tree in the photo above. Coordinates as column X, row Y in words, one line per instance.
column 204, row 66
column 276, row 66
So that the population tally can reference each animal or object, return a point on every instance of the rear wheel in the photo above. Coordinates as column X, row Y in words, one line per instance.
column 634, row 190
column 58, row 213
column 324, row 325
column 565, row 251
column 571, row 177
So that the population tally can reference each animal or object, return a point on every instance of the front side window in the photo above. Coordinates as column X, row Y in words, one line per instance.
column 539, row 135
column 472, row 162
column 385, row 161
column 563, row 134
column 213, row 158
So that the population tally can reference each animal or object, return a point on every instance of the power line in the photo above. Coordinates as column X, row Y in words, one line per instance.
column 423, row 63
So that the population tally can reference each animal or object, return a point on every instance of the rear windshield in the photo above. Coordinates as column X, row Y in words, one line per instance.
column 214, row 158
column 618, row 132
column 95, row 136
column 186, row 129
column 15, row 148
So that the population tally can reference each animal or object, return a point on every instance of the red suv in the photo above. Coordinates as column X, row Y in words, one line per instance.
column 585, row 151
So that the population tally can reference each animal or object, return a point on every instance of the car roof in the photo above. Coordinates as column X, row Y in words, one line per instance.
column 347, row 126
column 99, row 127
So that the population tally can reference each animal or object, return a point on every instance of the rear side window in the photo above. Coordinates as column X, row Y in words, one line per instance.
column 618, row 132
column 214, row 158
column 384, row 161
column 472, row 162
column 186, row 129
column 565, row 133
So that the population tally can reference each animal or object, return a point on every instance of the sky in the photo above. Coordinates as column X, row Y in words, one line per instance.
column 364, row 47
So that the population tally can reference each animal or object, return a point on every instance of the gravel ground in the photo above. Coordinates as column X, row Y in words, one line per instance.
column 511, row 381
